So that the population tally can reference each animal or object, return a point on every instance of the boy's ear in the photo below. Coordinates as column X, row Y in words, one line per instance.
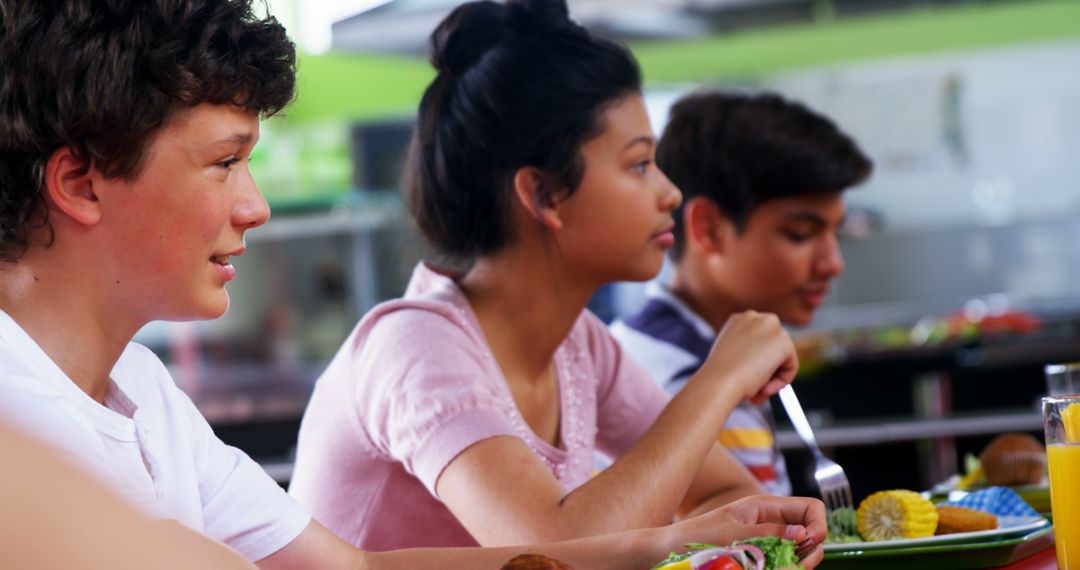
column 529, row 189
column 704, row 225
column 69, row 186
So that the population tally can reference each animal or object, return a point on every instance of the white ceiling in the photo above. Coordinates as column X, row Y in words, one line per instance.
column 402, row 26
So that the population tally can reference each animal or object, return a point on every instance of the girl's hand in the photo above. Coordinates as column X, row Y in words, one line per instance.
column 799, row 519
column 754, row 355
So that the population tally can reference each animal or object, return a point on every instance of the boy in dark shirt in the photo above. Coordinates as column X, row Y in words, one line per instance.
column 762, row 180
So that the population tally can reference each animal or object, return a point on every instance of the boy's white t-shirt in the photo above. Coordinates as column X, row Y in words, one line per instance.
column 149, row 443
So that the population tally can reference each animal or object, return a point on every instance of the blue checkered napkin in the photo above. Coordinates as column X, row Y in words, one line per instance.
column 1000, row 501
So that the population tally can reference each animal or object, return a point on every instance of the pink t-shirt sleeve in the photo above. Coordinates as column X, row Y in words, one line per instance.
column 628, row 400
column 427, row 392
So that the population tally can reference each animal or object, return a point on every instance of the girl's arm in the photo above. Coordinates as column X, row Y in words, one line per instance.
column 722, row 479
column 503, row 494
column 798, row 519
column 42, row 494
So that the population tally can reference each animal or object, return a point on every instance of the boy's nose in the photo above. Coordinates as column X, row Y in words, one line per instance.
column 830, row 261
column 252, row 211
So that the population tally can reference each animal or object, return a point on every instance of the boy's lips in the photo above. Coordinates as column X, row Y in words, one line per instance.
column 814, row 295
column 223, row 263
column 223, row 258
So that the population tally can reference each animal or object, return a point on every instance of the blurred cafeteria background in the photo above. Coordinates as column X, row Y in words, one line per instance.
column 962, row 251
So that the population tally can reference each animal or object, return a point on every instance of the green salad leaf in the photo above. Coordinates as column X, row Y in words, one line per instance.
column 779, row 552
column 672, row 558
column 842, row 518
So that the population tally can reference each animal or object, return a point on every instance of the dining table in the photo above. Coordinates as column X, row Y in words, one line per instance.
column 1034, row 551
column 1042, row 560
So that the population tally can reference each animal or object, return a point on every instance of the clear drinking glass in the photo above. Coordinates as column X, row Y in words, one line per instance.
column 1062, row 379
column 1061, row 418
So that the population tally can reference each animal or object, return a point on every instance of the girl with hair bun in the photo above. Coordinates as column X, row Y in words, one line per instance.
column 469, row 411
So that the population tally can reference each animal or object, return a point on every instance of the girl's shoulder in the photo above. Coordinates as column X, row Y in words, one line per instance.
column 418, row 320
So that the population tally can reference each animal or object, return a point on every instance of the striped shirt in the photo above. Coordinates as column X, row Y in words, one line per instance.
column 671, row 342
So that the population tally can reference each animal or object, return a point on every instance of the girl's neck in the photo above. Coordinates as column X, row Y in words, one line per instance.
column 526, row 307
column 60, row 313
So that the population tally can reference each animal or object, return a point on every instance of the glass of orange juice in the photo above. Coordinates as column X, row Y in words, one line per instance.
column 1062, row 379
column 1061, row 418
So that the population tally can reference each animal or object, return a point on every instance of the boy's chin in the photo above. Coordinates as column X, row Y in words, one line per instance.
column 211, row 309
column 798, row 319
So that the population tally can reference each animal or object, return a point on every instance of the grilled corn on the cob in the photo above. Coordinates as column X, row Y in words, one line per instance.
column 889, row 515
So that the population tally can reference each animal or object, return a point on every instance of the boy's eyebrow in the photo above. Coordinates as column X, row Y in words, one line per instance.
column 815, row 218
column 807, row 216
column 240, row 139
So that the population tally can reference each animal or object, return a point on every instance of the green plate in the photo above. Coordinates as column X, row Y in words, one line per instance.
column 946, row 556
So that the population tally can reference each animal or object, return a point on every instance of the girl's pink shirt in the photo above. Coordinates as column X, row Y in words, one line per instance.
column 415, row 384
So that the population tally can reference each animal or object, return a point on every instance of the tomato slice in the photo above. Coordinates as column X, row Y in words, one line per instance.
column 722, row 563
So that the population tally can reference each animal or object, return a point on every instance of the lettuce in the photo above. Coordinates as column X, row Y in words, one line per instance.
column 842, row 518
column 779, row 552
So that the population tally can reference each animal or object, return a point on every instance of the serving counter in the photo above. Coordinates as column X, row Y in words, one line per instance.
column 904, row 416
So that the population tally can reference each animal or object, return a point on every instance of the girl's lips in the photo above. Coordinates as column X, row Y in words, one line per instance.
column 664, row 239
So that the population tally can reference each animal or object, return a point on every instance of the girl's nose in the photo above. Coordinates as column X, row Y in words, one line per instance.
column 670, row 196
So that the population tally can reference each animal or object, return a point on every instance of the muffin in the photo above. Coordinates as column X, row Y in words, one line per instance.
column 1014, row 459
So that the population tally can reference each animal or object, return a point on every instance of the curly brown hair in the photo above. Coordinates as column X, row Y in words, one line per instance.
column 102, row 76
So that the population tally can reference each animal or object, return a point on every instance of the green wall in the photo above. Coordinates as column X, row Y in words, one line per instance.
column 912, row 33
column 335, row 87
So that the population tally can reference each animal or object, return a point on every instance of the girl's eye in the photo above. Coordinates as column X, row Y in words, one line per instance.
column 642, row 166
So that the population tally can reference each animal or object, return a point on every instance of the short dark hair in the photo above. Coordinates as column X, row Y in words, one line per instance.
column 741, row 149
column 101, row 77
column 519, row 84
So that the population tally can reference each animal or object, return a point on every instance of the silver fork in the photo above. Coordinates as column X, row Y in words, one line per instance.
column 830, row 477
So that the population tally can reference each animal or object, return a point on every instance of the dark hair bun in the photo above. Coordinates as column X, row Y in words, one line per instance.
column 475, row 28
column 541, row 16
column 519, row 84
